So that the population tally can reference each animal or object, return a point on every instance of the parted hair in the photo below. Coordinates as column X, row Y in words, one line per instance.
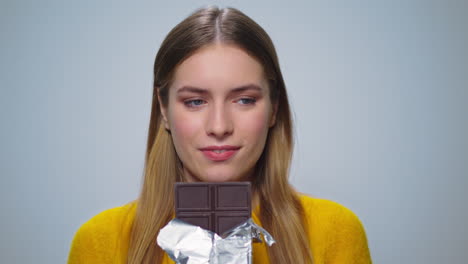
column 281, row 212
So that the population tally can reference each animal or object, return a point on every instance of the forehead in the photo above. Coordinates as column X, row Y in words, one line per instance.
column 219, row 66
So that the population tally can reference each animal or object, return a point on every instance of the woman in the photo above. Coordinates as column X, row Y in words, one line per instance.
column 220, row 112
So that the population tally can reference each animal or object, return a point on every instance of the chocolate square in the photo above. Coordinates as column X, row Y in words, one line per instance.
column 213, row 206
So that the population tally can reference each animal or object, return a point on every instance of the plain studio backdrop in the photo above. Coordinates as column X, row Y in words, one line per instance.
column 379, row 91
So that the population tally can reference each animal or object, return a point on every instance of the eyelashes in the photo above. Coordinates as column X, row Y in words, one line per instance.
column 247, row 101
column 196, row 103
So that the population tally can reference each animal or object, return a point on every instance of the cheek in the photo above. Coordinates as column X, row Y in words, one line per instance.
column 184, row 127
column 255, row 125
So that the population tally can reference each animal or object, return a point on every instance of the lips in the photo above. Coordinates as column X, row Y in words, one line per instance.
column 219, row 153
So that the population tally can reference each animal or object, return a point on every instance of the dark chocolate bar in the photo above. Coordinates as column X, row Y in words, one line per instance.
column 213, row 206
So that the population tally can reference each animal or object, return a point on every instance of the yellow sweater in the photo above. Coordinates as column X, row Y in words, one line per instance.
column 335, row 233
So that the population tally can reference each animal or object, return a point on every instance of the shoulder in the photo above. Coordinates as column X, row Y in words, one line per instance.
column 105, row 223
column 109, row 219
column 336, row 229
column 99, row 237
column 326, row 209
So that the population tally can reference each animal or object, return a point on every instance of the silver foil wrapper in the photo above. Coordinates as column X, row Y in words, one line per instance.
column 189, row 244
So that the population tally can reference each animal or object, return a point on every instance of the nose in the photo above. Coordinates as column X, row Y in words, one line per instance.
column 219, row 122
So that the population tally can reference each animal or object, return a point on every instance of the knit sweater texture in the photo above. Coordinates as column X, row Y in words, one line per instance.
column 335, row 233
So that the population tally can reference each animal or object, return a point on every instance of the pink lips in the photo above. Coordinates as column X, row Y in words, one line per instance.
column 219, row 153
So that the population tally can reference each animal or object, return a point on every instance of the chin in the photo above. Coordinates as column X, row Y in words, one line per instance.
column 220, row 177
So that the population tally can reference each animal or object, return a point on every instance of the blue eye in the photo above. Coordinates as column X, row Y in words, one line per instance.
column 247, row 101
column 194, row 103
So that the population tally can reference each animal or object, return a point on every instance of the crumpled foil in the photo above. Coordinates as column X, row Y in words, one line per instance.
column 189, row 244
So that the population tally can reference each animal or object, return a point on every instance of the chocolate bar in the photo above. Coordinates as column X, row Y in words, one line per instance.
column 217, row 207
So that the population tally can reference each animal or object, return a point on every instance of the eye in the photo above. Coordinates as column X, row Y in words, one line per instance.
column 247, row 101
column 194, row 103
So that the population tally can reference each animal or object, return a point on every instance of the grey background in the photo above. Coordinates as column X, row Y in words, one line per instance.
column 378, row 88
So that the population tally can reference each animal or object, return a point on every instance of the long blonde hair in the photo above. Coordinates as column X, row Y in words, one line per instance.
column 281, row 212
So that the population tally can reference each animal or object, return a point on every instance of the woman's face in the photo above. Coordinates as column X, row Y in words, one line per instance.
column 219, row 112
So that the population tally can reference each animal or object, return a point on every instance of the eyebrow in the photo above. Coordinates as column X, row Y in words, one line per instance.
column 243, row 88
